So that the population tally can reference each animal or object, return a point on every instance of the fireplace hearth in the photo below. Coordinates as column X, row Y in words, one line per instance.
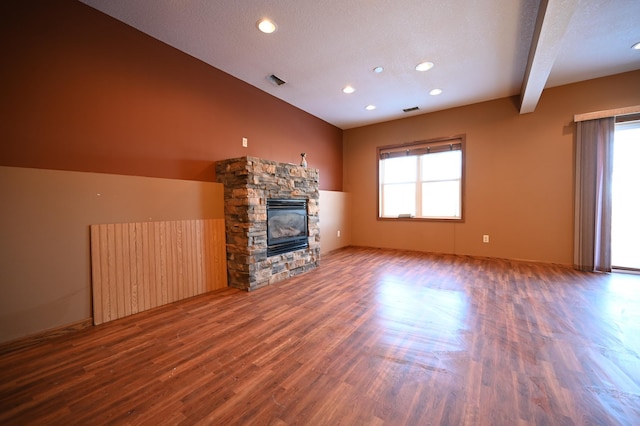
column 271, row 220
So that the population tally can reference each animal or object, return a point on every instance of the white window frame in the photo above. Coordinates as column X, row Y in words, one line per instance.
column 417, row 150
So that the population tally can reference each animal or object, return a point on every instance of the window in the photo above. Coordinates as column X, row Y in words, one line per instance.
column 422, row 180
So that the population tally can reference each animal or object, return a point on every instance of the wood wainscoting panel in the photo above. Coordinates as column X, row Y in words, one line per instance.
column 139, row 266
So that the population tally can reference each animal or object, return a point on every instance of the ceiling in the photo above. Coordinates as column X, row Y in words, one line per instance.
column 481, row 50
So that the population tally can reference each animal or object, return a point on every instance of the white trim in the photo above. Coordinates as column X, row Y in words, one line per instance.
column 606, row 113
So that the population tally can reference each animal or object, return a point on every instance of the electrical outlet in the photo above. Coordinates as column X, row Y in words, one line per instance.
column 338, row 233
column 485, row 238
column 245, row 142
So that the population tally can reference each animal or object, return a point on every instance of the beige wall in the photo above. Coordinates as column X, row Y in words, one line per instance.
column 44, row 226
column 519, row 173
column 334, row 216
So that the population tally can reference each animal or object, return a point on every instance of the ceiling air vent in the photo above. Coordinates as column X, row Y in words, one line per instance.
column 276, row 80
column 411, row 109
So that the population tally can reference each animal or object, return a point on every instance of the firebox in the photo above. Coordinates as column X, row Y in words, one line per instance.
column 286, row 225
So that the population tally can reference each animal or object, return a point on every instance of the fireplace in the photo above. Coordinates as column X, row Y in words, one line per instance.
column 287, row 228
column 266, row 247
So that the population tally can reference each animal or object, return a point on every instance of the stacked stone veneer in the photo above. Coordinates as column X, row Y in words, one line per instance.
column 248, row 183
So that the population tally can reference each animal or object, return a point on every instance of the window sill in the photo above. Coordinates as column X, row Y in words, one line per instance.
column 420, row 219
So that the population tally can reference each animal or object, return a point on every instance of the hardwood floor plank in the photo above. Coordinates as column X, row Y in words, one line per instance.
column 375, row 337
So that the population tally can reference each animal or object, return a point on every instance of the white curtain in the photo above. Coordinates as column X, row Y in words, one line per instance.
column 594, row 169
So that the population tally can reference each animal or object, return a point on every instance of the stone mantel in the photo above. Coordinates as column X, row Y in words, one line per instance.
column 248, row 183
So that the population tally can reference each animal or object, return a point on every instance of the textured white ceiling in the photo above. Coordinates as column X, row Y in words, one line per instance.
column 480, row 48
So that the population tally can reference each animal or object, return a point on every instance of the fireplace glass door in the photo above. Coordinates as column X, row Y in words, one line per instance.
column 286, row 226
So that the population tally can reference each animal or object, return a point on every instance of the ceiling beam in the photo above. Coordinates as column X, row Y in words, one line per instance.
column 552, row 23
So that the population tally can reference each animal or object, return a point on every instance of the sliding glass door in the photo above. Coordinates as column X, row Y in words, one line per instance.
column 625, row 225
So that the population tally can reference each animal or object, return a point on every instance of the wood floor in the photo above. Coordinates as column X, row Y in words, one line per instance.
column 372, row 337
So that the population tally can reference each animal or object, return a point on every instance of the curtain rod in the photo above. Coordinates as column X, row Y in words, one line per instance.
column 606, row 113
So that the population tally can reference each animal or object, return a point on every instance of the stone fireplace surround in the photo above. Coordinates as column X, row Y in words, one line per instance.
column 248, row 183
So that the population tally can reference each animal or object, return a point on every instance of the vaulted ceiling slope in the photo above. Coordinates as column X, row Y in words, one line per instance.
column 481, row 50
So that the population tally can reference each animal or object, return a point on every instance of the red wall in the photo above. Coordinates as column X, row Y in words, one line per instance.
column 82, row 91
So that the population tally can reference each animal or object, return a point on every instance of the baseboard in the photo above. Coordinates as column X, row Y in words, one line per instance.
column 473, row 256
column 43, row 336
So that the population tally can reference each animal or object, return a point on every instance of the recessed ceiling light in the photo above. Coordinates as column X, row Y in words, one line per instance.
column 636, row 46
column 348, row 89
column 266, row 26
column 424, row 66
column 370, row 107
column 378, row 70
column 435, row 92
